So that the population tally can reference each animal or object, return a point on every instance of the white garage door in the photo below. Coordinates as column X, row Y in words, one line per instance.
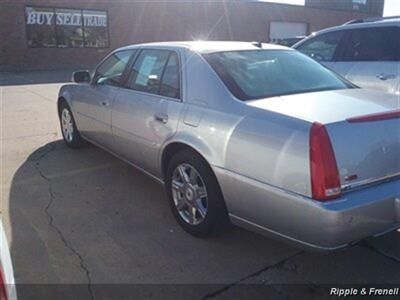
column 281, row 30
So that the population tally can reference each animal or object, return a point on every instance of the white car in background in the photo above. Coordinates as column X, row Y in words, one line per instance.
column 366, row 52
column 7, row 283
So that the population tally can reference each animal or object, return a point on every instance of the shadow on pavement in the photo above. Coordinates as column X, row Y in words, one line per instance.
column 83, row 217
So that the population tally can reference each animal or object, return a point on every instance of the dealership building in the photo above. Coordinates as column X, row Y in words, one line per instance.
column 59, row 34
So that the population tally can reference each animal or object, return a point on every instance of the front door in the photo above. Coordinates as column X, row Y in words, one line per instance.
column 323, row 48
column 93, row 102
column 146, row 111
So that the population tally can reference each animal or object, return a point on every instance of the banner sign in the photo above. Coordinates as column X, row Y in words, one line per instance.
column 48, row 27
column 92, row 19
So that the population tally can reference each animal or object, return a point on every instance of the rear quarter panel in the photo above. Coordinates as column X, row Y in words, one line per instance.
column 266, row 175
column 273, row 149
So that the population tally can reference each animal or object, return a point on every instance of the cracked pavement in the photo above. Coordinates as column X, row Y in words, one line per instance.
column 84, row 217
column 36, row 164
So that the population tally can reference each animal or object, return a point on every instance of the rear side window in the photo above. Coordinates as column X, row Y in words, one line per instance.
column 156, row 72
column 322, row 47
column 170, row 85
column 147, row 71
column 373, row 44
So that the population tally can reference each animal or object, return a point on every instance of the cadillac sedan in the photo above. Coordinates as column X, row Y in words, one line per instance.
column 256, row 134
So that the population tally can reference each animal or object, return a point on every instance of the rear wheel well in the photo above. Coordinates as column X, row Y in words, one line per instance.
column 176, row 147
column 171, row 150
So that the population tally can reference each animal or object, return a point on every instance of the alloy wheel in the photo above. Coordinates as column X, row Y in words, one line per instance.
column 189, row 194
column 67, row 125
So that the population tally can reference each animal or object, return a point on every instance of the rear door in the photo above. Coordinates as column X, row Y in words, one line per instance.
column 93, row 102
column 146, row 111
column 371, row 58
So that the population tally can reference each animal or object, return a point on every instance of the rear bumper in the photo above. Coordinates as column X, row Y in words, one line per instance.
column 317, row 225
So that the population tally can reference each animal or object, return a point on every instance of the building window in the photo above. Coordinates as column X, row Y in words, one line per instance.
column 66, row 28
column 40, row 29
column 95, row 28
column 69, row 29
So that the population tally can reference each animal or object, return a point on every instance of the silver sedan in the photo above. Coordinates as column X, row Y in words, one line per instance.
column 255, row 134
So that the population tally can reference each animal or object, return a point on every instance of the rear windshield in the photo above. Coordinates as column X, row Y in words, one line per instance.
column 255, row 74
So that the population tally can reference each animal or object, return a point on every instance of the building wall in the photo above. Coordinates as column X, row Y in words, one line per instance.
column 372, row 7
column 136, row 22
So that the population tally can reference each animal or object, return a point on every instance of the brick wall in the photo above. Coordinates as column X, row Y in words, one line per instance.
column 135, row 22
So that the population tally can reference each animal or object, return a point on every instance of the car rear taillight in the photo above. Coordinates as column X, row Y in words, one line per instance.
column 325, row 182
column 3, row 291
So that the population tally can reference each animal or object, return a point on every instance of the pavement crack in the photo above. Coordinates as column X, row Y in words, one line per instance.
column 378, row 251
column 257, row 273
column 54, row 226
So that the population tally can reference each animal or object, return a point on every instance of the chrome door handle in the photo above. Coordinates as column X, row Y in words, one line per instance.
column 163, row 118
column 383, row 76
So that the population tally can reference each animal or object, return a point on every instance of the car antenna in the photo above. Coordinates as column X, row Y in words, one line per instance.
column 257, row 44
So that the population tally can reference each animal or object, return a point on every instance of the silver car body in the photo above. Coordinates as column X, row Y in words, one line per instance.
column 258, row 150
column 378, row 74
column 8, row 287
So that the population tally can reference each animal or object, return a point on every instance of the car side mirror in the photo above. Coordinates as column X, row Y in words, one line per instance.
column 81, row 76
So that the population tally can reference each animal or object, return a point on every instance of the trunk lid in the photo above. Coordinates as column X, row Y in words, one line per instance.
column 367, row 150
column 330, row 106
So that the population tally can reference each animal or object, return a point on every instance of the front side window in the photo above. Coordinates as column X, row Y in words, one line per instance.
column 322, row 47
column 373, row 44
column 255, row 74
column 110, row 71
column 147, row 71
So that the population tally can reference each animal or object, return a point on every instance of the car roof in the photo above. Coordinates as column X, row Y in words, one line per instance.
column 209, row 46
column 355, row 24
column 367, row 23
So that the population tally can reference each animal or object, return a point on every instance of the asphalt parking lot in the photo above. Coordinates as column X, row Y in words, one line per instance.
column 84, row 217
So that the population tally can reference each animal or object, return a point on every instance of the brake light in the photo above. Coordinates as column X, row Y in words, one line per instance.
column 3, row 291
column 394, row 114
column 325, row 182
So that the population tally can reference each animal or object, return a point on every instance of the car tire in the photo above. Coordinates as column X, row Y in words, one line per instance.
column 210, row 213
column 70, row 133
